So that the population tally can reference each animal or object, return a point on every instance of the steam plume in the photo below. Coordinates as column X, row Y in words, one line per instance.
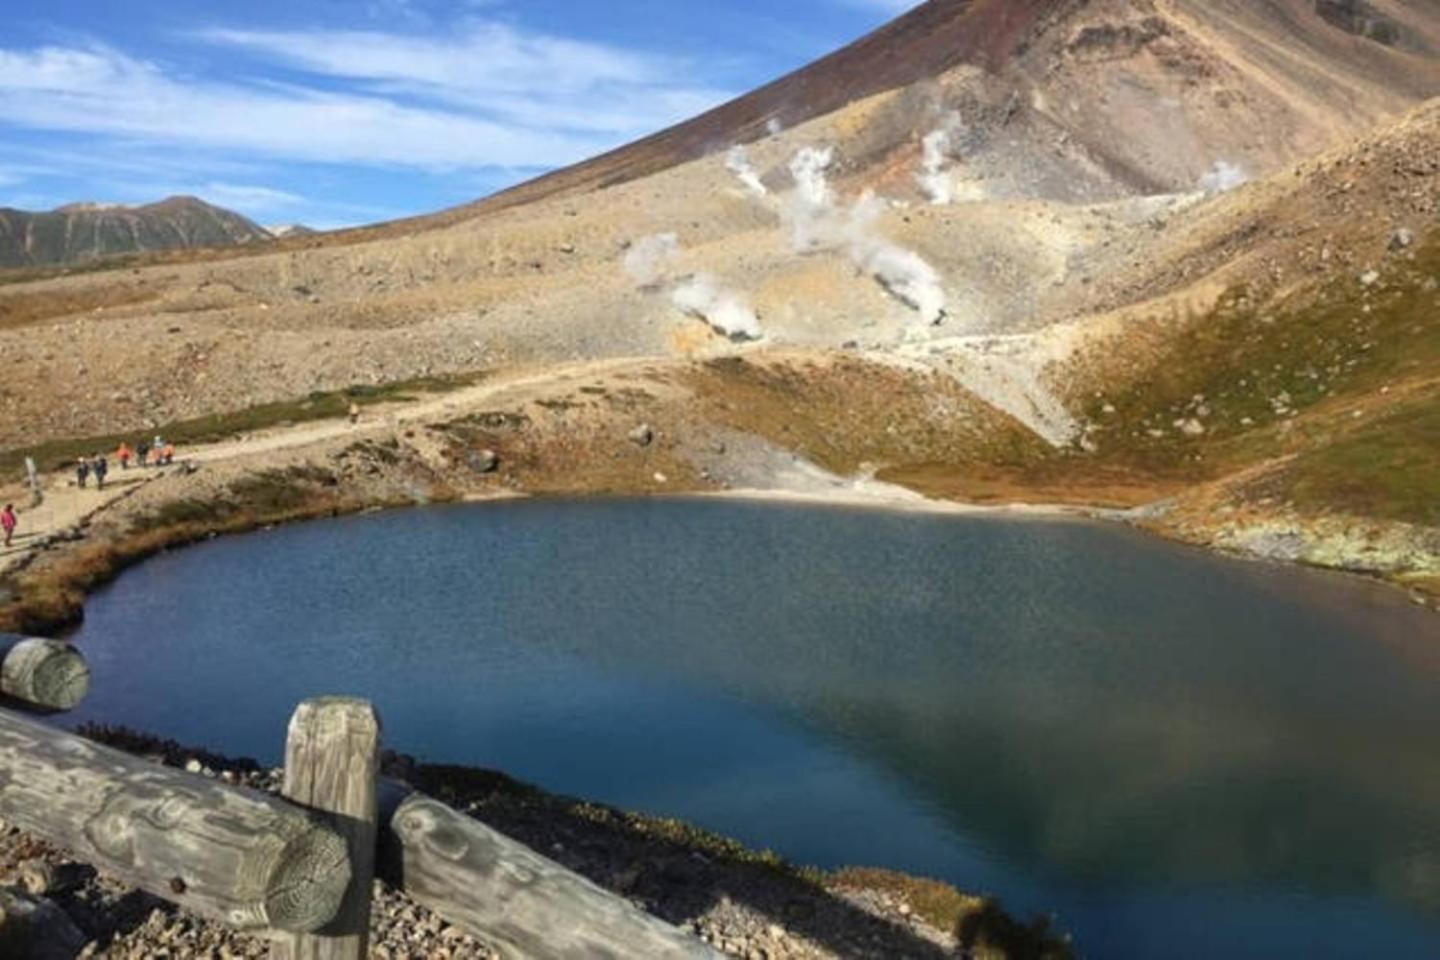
column 650, row 263
column 817, row 223
column 938, row 151
column 737, row 161
column 808, row 167
column 648, row 260
column 1222, row 177
column 814, row 221
column 700, row 297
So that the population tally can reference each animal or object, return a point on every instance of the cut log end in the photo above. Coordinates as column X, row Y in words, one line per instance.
column 48, row 674
column 62, row 681
column 309, row 882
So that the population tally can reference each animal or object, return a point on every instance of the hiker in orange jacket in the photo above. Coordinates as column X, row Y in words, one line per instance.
column 169, row 452
column 122, row 453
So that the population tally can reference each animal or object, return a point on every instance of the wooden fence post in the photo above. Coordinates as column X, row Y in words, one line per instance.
column 42, row 674
column 332, row 759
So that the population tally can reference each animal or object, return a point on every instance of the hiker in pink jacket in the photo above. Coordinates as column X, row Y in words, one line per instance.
column 8, row 521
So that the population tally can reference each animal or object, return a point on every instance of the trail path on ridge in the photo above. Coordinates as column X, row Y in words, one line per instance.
column 66, row 506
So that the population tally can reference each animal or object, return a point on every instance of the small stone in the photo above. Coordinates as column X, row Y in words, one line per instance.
column 1402, row 239
column 1369, row 278
column 643, row 435
column 193, row 766
column 485, row 461
column 35, row 877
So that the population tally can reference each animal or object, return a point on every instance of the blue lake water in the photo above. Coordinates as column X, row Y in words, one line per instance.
column 1178, row 755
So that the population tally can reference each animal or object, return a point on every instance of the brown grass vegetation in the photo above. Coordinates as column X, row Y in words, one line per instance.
column 1341, row 378
column 981, row 924
column 26, row 307
column 845, row 412
column 576, row 445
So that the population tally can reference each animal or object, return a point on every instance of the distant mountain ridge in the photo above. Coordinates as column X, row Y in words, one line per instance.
column 283, row 230
column 82, row 232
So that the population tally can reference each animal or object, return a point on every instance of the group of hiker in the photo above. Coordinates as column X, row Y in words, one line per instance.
column 158, row 453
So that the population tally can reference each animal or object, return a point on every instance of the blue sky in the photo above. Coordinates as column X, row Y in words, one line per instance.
column 334, row 112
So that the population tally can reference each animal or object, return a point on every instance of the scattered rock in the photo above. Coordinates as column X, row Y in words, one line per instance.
column 35, row 877
column 484, row 461
column 643, row 435
column 1191, row 427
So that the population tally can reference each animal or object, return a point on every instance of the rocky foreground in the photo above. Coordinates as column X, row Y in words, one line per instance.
column 745, row 904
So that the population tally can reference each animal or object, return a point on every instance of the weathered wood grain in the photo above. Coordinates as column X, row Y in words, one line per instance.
column 42, row 674
column 233, row 855
column 332, row 757
column 500, row 890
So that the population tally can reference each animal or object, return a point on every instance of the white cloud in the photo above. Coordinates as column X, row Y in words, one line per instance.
column 242, row 196
column 485, row 58
column 492, row 96
column 528, row 79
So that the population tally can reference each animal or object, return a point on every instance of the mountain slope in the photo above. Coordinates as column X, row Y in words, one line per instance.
column 1264, row 82
column 1030, row 220
column 83, row 232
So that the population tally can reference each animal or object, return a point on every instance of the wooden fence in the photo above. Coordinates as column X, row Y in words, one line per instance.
column 296, row 868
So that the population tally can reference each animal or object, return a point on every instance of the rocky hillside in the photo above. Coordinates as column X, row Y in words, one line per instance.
column 1079, row 216
column 83, row 232
column 1090, row 98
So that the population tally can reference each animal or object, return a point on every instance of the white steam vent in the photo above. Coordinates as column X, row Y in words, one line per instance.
column 702, row 298
column 1222, row 177
column 651, row 263
column 648, row 260
column 813, row 218
column 937, row 153
column 808, row 167
column 817, row 223
column 737, row 161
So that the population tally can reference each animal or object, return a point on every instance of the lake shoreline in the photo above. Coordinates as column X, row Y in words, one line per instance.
column 45, row 592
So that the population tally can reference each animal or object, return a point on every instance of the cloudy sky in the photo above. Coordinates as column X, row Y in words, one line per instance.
column 334, row 112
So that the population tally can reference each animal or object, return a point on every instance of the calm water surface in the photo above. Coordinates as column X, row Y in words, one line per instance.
column 1180, row 756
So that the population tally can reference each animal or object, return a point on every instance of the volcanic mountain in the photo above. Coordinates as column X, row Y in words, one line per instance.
column 1089, row 98
column 1116, row 251
column 82, row 232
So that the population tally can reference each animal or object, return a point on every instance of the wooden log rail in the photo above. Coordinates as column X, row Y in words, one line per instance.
column 298, row 869
column 237, row 856
column 41, row 675
column 507, row 894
